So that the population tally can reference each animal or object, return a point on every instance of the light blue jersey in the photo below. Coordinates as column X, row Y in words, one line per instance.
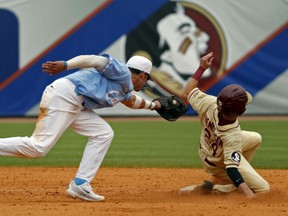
column 103, row 88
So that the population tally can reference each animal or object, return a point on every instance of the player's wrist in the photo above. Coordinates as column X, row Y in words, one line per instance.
column 65, row 65
column 152, row 105
column 198, row 73
column 149, row 105
column 140, row 103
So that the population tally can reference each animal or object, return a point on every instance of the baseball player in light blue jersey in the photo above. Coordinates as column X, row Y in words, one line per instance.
column 69, row 102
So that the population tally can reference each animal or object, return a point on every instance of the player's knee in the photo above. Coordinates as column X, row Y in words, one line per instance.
column 33, row 148
column 107, row 135
column 110, row 133
column 34, row 153
column 38, row 153
column 265, row 187
column 257, row 138
column 37, row 150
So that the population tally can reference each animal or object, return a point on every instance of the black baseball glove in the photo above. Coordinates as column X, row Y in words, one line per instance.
column 172, row 107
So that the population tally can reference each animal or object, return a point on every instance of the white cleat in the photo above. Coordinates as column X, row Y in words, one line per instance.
column 84, row 192
column 188, row 189
column 205, row 188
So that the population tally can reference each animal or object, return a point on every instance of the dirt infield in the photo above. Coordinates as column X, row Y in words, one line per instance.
column 132, row 191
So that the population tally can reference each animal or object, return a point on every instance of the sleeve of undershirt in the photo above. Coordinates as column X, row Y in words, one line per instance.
column 235, row 176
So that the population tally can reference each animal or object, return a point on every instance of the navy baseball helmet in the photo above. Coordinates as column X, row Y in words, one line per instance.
column 232, row 100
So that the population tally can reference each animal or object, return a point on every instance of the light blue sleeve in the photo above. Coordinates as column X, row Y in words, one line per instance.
column 115, row 69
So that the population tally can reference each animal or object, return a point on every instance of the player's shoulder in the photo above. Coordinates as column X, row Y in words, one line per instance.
column 197, row 94
column 230, row 129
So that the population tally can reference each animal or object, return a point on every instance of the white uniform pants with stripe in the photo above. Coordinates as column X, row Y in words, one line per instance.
column 251, row 141
column 61, row 108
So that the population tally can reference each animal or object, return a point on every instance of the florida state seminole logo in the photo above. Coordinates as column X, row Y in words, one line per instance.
column 174, row 39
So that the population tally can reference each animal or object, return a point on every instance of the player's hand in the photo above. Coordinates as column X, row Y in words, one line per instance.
column 207, row 60
column 251, row 196
column 54, row 67
column 245, row 189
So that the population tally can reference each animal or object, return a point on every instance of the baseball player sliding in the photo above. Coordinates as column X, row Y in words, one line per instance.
column 225, row 150
column 68, row 102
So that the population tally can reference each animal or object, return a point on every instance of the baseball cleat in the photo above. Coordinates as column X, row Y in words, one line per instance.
column 205, row 188
column 188, row 189
column 84, row 192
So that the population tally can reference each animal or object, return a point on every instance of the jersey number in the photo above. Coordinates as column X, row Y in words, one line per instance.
column 213, row 145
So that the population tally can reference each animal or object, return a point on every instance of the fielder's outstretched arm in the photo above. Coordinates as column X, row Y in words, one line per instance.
column 81, row 61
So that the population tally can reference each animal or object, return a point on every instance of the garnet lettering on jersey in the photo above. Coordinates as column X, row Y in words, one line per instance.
column 210, row 136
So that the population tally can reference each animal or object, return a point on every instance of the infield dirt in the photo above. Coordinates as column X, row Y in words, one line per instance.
column 132, row 191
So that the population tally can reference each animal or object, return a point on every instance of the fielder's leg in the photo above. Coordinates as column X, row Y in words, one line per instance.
column 47, row 131
column 100, row 136
column 56, row 115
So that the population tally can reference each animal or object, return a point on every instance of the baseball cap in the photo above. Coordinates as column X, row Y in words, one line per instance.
column 140, row 63
column 232, row 100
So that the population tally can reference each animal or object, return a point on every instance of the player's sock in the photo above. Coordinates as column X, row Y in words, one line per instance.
column 79, row 181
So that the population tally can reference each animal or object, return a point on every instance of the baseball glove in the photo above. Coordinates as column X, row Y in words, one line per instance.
column 172, row 107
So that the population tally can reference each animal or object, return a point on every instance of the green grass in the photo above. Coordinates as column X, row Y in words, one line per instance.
column 152, row 144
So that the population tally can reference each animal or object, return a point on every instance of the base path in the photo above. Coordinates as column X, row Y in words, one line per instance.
column 132, row 191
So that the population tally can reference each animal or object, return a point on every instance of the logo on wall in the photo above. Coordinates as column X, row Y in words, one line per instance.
column 174, row 39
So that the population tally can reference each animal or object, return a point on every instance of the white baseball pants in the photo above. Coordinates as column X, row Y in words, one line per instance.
column 61, row 108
